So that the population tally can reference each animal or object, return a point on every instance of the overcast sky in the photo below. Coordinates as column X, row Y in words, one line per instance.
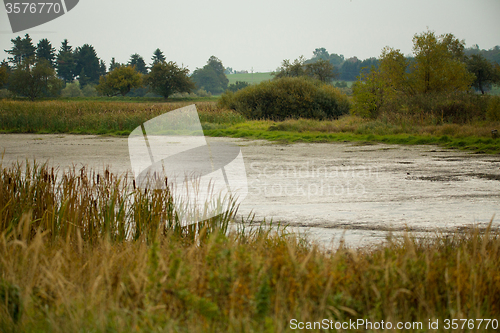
column 260, row 33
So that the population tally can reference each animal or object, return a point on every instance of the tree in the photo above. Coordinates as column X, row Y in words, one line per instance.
column 87, row 65
column 211, row 77
column 321, row 70
column 158, row 57
column 336, row 59
column 113, row 64
column 289, row 69
column 207, row 79
column 138, row 62
column 34, row 80
column 166, row 78
column 437, row 69
column 439, row 65
column 45, row 51
column 66, row 62
column 321, row 54
column 350, row 69
column 120, row 81
column 22, row 49
column 484, row 72
column 102, row 68
column 234, row 87
column 4, row 76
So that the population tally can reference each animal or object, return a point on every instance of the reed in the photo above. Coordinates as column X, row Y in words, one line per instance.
column 95, row 117
column 67, row 266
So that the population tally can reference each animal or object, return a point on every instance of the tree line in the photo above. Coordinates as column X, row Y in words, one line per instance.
column 40, row 70
column 436, row 81
column 326, row 67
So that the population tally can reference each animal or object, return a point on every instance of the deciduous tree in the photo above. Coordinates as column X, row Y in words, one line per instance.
column 321, row 70
column 34, row 79
column 439, row 65
column 120, row 81
column 437, row 70
column 211, row 77
column 166, row 78
column 290, row 69
column 484, row 72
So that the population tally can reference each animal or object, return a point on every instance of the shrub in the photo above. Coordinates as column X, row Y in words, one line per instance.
column 234, row 87
column 288, row 97
column 72, row 90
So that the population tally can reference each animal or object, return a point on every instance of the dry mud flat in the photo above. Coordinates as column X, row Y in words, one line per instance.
column 360, row 192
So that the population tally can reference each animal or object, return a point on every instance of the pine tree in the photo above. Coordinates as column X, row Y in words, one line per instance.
column 138, row 62
column 66, row 62
column 158, row 57
column 45, row 50
column 22, row 49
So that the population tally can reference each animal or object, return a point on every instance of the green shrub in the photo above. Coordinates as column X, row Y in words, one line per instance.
column 72, row 90
column 89, row 91
column 289, row 97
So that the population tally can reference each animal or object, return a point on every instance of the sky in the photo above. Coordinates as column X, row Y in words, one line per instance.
column 259, row 34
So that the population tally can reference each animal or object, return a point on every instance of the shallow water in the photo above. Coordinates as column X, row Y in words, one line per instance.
column 327, row 190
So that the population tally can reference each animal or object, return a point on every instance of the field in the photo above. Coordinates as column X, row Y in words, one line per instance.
column 251, row 78
column 259, row 77
column 67, row 267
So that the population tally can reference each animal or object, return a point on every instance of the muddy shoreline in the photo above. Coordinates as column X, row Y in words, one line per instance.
column 327, row 190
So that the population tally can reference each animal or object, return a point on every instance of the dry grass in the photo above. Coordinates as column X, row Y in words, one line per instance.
column 245, row 281
column 92, row 117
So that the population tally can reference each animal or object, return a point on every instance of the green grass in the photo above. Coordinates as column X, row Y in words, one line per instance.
column 120, row 118
column 474, row 137
column 250, row 78
column 65, row 268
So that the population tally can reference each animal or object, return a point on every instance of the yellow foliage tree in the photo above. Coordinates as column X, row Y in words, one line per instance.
column 119, row 81
column 438, row 68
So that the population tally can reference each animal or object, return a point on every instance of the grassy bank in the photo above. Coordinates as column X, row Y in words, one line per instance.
column 55, row 278
column 475, row 137
column 120, row 118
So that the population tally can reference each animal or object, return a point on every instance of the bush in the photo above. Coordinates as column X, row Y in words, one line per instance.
column 89, row 91
column 234, row 87
column 4, row 93
column 288, row 97
column 72, row 90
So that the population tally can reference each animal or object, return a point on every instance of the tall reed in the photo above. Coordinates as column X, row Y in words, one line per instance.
column 90, row 205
